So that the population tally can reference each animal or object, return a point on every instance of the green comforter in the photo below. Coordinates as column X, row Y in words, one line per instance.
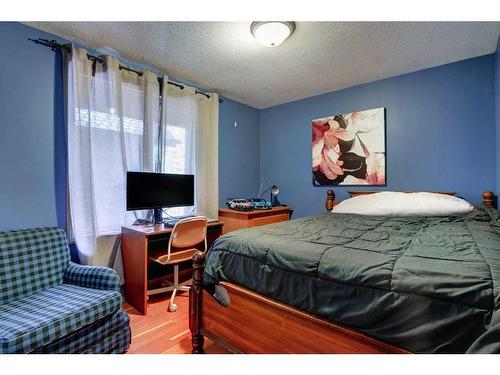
column 429, row 285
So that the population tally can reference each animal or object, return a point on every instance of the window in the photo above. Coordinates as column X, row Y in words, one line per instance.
column 175, row 150
column 180, row 141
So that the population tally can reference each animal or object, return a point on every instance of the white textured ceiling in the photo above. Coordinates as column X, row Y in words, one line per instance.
column 319, row 57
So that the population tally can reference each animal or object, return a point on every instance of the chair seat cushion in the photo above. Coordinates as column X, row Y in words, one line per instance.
column 37, row 320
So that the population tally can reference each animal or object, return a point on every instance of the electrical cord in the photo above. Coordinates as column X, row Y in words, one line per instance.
column 165, row 211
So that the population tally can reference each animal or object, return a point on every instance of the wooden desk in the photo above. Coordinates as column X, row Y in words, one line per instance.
column 234, row 220
column 137, row 241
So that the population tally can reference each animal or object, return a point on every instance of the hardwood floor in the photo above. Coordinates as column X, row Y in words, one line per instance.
column 163, row 332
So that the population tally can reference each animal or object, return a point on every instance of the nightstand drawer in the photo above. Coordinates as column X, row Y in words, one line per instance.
column 258, row 221
column 235, row 220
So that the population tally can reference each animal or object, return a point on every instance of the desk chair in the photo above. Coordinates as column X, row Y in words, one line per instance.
column 186, row 234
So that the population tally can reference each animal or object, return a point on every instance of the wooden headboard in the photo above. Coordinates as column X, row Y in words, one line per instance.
column 488, row 198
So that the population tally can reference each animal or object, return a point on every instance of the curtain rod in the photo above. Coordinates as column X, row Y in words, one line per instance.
column 56, row 46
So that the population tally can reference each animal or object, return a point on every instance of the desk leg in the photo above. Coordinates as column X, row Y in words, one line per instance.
column 134, row 253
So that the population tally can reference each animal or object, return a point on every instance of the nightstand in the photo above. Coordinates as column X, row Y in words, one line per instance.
column 234, row 220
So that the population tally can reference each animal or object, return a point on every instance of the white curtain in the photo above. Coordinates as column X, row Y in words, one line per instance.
column 190, row 145
column 207, row 156
column 112, row 127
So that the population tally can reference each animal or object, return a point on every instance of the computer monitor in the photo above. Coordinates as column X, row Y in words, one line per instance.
column 159, row 190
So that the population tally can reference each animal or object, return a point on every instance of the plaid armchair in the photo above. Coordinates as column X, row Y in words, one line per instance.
column 51, row 305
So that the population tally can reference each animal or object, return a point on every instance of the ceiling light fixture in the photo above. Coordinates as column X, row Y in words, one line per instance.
column 272, row 33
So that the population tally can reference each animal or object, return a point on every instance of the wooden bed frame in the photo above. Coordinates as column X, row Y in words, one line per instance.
column 253, row 323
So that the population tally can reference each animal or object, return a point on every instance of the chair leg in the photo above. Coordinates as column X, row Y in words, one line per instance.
column 172, row 307
column 176, row 274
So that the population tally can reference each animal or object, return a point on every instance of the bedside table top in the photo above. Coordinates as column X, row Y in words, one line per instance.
column 272, row 211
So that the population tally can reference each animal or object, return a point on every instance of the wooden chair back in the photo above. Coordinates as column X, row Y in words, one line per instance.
column 189, row 232
column 186, row 235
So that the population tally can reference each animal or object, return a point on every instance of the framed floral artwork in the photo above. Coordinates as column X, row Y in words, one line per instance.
column 349, row 149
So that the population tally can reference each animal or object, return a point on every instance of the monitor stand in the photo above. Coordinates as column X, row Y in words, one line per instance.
column 158, row 216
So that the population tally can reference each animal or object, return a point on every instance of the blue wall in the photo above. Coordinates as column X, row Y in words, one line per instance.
column 497, row 110
column 32, row 135
column 440, row 130
column 32, row 152
column 238, row 151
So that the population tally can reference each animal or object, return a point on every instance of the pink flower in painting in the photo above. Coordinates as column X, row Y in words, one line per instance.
column 326, row 150
column 375, row 172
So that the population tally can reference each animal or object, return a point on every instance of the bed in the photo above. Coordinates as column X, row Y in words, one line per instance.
column 353, row 284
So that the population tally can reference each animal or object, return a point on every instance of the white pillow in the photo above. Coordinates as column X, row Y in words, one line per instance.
column 390, row 203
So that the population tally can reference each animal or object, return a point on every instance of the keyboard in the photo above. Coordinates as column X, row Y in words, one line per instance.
column 171, row 223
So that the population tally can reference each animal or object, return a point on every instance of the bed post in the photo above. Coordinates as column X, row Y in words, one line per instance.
column 330, row 200
column 195, row 303
column 489, row 199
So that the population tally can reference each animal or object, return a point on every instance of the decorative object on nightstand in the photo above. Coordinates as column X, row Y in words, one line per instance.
column 239, row 204
column 234, row 220
column 260, row 204
column 274, row 196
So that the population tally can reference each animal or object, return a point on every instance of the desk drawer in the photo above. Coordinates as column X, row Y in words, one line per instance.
column 258, row 221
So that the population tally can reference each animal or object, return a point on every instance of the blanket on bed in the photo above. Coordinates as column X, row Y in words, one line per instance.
column 426, row 284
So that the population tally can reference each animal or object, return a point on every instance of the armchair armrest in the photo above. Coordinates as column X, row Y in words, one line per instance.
column 92, row 277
